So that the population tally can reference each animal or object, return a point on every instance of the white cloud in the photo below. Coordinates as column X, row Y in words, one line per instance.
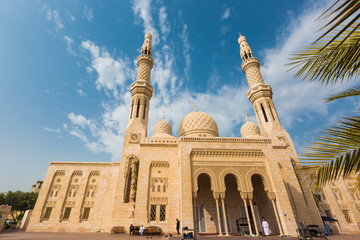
column 164, row 26
column 186, row 50
column 81, row 92
column 112, row 73
column 79, row 120
column 57, row 130
column 79, row 134
column 69, row 42
column 53, row 15
column 88, row 13
column 72, row 18
column 142, row 9
column 226, row 14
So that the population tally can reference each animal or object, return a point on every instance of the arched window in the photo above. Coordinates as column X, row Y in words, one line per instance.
column 132, row 107
column 164, row 188
column 158, row 188
column 263, row 111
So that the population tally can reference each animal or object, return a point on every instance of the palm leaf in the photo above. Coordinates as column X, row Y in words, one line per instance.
column 354, row 91
column 335, row 55
column 335, row 154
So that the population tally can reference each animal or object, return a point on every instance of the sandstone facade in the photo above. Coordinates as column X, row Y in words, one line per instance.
column 217, row 184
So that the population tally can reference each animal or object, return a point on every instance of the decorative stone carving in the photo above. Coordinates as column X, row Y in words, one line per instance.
column 134, row 138
column 280, row 142
column 271, row 195
column 196, row 123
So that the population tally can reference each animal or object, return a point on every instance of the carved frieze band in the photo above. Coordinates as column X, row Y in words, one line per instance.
column 223, row 139
column 226, row 153
column 160, row 164
column 163, row 200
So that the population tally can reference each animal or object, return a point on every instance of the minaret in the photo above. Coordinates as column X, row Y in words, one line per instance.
column 260, row 94
column 141, row 91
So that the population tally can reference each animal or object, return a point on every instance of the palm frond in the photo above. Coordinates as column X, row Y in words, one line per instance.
column 335, row 154
column 334, row 56
column 354, row 91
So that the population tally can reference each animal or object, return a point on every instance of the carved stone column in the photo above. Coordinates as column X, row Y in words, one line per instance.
column 250, row 197
column 243, row 195
column 216, row 197
column 194, row 208
column 222, row 196
column 272, row 197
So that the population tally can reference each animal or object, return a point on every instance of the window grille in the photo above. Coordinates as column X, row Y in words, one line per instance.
column 158, row 188
column 162, row 212
column 152, row 212
column 67, row 214
column 86, row 214
column 328, row 214
column 347, row 216
column 47, row 213
column 128, row 186
column 164, row 188
column 153, row 188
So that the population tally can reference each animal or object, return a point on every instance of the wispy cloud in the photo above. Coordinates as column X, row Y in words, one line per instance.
column 226, row 14
column 57, row 130
column 88, row 13
column 112, row 73
column 81, row 92
column 53, row 15
column 142, row 9
column 164, row 25
column 186, row 50
column 69, row 42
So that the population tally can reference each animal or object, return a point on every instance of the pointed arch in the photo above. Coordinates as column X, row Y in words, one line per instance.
column 211, row 175
column 263, row 176
column 239, row 179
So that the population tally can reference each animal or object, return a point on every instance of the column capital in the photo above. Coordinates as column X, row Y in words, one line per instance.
column 243, row 195
column 216, row 195
column 222, row 195
column 271, row 195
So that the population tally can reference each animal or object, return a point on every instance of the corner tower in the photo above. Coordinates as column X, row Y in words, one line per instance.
column 141, row 91
column 259, row 94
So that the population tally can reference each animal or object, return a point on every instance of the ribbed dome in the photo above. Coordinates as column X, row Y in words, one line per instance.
column 198, row 124
column 162, row 126
column 249, row 129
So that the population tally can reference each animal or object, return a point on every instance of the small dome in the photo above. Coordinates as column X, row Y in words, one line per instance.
column 148, row 35
column 198, row 124
column 249, row 129
column 162, row 127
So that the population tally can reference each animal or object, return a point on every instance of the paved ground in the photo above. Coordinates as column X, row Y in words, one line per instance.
column 21, row 235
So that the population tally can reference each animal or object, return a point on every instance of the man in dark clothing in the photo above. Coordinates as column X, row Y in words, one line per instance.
column 177, row 226
column 132, row 229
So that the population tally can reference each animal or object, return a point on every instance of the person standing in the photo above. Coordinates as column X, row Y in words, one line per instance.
column 265, row 226
column 177, row 226
column 141, row 231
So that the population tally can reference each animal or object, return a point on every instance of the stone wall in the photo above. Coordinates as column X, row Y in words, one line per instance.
column 4, row 212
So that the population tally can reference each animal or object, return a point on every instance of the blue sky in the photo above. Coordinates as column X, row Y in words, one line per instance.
column 66, row 68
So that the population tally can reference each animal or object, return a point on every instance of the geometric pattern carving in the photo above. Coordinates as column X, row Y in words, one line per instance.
column 253, row 76
column 163, row 126
column 198, row 122
column 227, row 153
column 144, row 71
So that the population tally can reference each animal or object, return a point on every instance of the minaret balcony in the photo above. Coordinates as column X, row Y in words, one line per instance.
column 261, row 90
column 141, row 87
column 248, row 62
column 146, row 58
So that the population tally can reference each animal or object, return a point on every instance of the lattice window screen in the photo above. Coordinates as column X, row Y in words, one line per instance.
column 67, row 213
column 128, row 186
column 86, row 214
column 162, row 212
column 152, row 212
column 347, row 216
column 328, row 214
column 47, row 213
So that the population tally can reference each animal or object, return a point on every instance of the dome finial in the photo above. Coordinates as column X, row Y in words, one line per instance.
column 163, row 117
column 195, row 107
column 246, row 117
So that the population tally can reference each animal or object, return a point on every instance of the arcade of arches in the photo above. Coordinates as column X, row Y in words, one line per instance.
column 231, row 209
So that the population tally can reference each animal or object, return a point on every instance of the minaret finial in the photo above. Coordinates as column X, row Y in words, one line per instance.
column 246, row 117
column 195, row 107
column 239, row 34
column 163, row 117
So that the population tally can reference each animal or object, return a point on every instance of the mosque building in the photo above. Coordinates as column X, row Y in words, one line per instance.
column 212, row 182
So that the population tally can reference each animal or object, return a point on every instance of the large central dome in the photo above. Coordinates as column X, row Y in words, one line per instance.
column 198, row 124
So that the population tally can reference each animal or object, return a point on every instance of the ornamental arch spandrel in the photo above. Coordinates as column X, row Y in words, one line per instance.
column 241, row 186
column 212, row 176
column 264, row 178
